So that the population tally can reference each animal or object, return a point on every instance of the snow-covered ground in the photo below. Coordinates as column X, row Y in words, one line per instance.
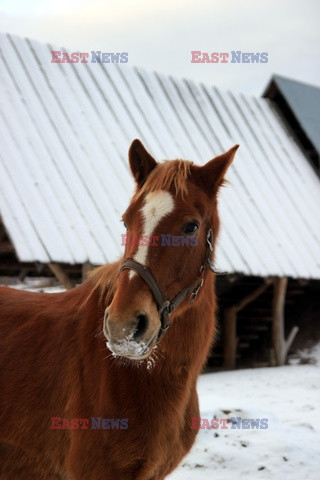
column 36, row 284
column 289, row 449
column 288, row 397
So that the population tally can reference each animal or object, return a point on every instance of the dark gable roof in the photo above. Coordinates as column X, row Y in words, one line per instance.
column 304, row 103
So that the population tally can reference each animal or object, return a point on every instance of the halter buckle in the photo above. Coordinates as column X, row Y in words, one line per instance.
column 165, row 308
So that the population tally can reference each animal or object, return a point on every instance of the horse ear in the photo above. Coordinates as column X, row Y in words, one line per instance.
column 213, row 172
column 140, row 161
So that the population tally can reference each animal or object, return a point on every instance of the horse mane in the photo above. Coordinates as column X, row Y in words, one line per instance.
column 104, row 280
column 167, row 174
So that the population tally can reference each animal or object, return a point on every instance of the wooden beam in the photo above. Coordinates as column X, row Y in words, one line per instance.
column 230, row 325
column 291, row 337
column 279, row 297
column 6, row 247
column 61, row 276
column 253, row 295
column 86, row 269
column 230, row 338
column 280, row 344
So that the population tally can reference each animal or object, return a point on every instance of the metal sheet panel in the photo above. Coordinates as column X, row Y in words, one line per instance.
column 65, row 180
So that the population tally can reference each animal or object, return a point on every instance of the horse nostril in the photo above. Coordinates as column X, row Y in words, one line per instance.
column 142, row 324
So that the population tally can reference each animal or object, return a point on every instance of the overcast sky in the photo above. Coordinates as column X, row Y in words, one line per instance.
column 161, row 35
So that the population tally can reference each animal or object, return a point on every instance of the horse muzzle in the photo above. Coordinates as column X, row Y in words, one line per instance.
column 131, row 336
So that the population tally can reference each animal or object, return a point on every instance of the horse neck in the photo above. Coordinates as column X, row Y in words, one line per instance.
column 189, row 338
column 180, row 355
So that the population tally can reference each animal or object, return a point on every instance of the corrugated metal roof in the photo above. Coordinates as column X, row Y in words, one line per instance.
column 304, row 102
column 65, row 130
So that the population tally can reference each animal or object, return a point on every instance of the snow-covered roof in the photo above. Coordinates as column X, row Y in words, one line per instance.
column 65, row 130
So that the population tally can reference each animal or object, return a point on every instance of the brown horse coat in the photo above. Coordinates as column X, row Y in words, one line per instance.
column 54, row 363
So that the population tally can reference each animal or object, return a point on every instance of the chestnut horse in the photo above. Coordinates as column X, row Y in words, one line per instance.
column 103, row 352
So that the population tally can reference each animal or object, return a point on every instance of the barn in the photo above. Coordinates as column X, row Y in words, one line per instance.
column 64, row 183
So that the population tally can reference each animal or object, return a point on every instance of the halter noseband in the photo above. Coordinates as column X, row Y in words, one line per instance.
column 165, row 307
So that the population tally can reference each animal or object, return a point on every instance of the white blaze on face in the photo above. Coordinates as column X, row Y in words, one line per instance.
column 157, row 205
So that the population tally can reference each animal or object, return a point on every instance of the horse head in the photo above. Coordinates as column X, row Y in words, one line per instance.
column 172, row 223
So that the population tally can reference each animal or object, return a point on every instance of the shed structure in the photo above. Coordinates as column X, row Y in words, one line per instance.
column 65, row 130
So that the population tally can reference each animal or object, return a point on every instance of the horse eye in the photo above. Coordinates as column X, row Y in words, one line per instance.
column 125, row 225
column 190, row 228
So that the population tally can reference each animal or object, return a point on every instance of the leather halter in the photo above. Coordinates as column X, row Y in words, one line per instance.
column 165, row 307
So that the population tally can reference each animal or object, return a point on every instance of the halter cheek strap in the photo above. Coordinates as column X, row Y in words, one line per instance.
column 165, row 307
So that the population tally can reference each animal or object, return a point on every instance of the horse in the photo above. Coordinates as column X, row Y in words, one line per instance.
column 99, row 382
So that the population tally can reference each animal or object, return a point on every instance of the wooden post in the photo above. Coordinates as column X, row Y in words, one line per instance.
column 230, row 325
column 230, row 338
column 86, row 269
column 280, row 345
column 60, row 275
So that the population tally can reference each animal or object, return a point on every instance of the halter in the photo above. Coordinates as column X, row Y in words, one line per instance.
column 165, row 307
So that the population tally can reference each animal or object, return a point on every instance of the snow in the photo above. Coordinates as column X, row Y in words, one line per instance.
column 289, row 448
column 128, row 347
column 36, row 284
